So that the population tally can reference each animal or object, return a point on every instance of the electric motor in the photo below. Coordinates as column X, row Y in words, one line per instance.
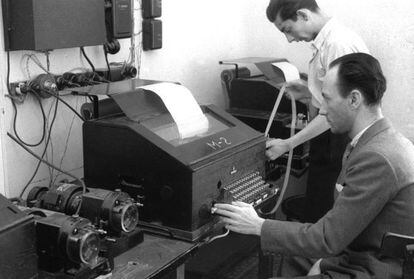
column 112, row 211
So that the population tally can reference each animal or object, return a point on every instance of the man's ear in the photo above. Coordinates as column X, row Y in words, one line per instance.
column 303, row 14
column 355, row 99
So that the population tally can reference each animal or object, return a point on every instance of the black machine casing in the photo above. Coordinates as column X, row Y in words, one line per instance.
column 18, row 258
column 178, row 183
column 105, row 209
column 52, row 24
column 61, row 239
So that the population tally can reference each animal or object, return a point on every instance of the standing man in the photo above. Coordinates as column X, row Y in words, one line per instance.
column 303, row 20
column 376, row 193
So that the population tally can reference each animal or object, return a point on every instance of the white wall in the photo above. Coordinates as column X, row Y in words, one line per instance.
column 196, row 35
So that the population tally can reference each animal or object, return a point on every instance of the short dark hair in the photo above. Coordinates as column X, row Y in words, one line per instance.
column 287, row 8
column 363, row 72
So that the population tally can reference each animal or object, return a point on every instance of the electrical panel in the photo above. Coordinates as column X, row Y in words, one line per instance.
column 151, row 27
column 152, row 34
column 151, row 8
column 53, row 24
column 119, row 19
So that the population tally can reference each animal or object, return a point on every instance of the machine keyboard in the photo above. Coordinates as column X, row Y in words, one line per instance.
column 251, row 188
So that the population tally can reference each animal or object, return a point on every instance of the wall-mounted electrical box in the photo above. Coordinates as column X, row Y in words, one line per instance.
column 53, row 24
column 151, row 34
column 151, row 28
column 151, row 8
column 119, row 19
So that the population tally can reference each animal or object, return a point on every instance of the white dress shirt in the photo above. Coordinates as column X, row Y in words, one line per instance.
column 333, row 41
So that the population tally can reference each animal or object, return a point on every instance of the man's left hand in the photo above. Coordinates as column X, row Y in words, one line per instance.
column 239, row 217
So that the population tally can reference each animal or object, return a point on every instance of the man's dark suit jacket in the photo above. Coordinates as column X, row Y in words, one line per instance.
column 378, row 197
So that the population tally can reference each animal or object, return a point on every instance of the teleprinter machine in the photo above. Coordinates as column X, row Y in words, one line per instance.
column 178, row 180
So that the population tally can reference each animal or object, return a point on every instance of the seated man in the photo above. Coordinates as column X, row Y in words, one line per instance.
column 376, row 185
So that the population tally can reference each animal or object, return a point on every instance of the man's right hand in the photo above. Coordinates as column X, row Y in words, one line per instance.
column 276, row 148
column 299, row 90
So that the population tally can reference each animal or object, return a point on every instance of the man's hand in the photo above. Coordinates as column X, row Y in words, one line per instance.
column 276, row 148
column 239, row 217
column 299, row 90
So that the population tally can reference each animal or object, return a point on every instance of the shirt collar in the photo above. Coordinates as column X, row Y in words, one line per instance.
column 359, row 135
column 323, row 34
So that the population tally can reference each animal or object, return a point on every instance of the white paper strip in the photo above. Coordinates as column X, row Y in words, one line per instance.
column 290, row 72
column 182, row 106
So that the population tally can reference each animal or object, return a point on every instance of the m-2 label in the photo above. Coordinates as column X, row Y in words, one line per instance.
column 220, row 143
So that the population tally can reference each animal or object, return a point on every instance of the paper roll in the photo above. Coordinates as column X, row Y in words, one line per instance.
column 182, row 106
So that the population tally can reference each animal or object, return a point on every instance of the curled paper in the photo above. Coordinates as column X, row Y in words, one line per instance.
column 182, row 106
column 290, row 72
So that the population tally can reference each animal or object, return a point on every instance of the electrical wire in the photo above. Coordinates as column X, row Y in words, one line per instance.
column 13, row 97
column 47, row 60
column 27, row 67
column 66, row 142
column 107, row 64
column 15, row 123
column 36, row 60
column 43, row 153
column 87, row 58
column 136, row 47
column 19, row 140
column 64, row 102
column 70, row 83
column 139, row 58
column 132, row 40
column 8, row 73
column 50, row 147
column 41, row 159
column 49, row 164
column 218, row 236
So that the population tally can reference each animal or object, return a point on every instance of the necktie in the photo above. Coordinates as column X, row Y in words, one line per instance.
column 348, row 151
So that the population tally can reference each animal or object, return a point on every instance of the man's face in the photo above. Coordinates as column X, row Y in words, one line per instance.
column 335, row 108
column 295, row 31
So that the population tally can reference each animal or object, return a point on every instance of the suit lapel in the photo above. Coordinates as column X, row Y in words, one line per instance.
column 375, row 129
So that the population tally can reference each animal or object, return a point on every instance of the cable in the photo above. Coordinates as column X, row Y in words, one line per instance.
column 64, row 102
column 34, row 58
column 8, row 73
column 49, row 164
column 218, row 236
column 66, row 142
column 15, row 121
column 44, row 151
column 139, row 60
column 107, row 63
column 87, row 58
column 47, row 60
column 132, row 40
column 50, row 143
column 15, row 97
